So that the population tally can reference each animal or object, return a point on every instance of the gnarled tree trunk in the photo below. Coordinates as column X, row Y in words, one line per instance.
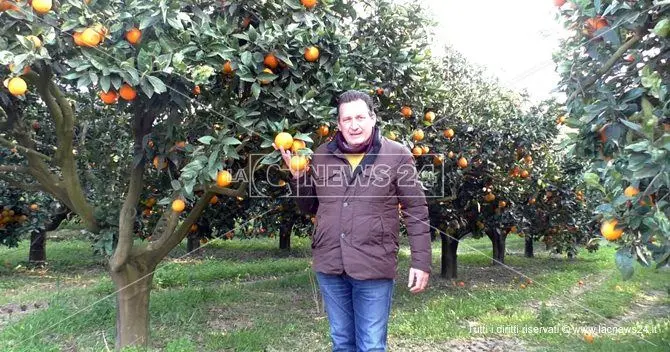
column 285, row 233
column 38, row 239
column 449, row 262
column 498, row 239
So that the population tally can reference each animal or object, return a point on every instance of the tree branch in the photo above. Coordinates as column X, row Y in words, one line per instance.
column 19, row 185
column 127, row 220
column 24, row 150
column 14, row 168
column 606, row 67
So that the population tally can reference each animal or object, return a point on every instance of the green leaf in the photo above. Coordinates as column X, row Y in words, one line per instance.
column 662, row 28
column 157, row 84
column 206, row 139
column 176, row 185
column 303, row 137
column 593, row 181
column 105, row 83
column 147, row 88
column 271, row 158
column 230, row 141
column 144, row 61
column 256, row 90
column 639, row 146
column 247, row 58
column 624, row 261
column 647, row 108
column 148, row 22
column 294, row 4
column 213, row 158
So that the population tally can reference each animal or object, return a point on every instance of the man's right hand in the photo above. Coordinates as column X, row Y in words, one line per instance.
column 286, row 155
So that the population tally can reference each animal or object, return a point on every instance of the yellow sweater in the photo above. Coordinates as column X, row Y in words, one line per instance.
column 354, row 159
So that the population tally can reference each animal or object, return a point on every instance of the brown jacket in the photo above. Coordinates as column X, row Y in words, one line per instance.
column 357, row 224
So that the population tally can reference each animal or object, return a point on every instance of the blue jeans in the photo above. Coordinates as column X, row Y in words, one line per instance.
column 358, row 311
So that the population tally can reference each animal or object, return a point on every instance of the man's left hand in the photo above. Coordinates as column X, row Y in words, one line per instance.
column 418, row 280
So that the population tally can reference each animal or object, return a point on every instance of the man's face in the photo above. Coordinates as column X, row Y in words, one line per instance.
column 355, row 122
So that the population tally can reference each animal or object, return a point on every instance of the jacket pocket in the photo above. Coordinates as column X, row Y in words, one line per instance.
column 388, row 239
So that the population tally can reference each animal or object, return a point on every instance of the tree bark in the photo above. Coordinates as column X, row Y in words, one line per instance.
column 133, row 283
column 192, row 242
column 497, row 238
column 449, row 257
column 38, row 239
column 285, row 234
column 528, row 248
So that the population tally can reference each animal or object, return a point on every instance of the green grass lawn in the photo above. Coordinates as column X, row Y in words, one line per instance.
column 249, row 296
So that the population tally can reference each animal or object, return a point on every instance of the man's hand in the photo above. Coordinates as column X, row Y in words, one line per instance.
column 418, row 280
column 286, row 155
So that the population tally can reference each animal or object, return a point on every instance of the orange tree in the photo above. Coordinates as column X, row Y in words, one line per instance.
column 615, row 78
column 170, row 94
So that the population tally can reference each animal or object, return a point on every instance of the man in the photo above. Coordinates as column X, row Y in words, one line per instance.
column 355, row 185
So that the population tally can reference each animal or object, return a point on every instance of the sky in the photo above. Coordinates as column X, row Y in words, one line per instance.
column 513, row 39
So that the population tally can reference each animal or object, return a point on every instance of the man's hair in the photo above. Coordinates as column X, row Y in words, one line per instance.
column 353, row 95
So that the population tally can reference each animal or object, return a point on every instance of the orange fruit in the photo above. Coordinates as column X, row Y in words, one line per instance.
column 429, row 116
column 8, row 6
column 284, row 139
column 159, row 163
column 127, row 92
column 489, row 197
column 561, row 119
column 531, row 201
column 380, row 91
column 180, row 144
column 417, row 151
column 312, row 53
column 406, row 111
column 178, row 205
column 462, row 162
column 133, row 36
column 528, row 159
column 224, row 178
column 559, row 3
column 271, row 61
column 34, row 207
column 109, row 97
column 418, row 135
column 36, row 41
column 193, row 228
column 449, row 133
column 246, row 21
column 77, row 39
column 196, row 90
column 631, row 191
column 609, row 231
column 90, row 37
column 451, row 155
column 425, row 149
column 17, row 86
column 525, row 174
column 522, row 285
column 323, row 130
column 214, row 200
column 438, row 160
column 595, row 23
column 308, row 3
column 588, row 337
column 228, row 67
column 42, row 6
column 502, row 204
column 297, row 145
column 298, row 162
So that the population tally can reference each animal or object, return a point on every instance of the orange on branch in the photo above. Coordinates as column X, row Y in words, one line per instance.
column 284, row 139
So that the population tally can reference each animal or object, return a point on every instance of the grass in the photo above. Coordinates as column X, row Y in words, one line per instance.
column 249, row 296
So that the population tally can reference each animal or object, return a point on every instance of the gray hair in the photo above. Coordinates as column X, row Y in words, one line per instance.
column 353, row 95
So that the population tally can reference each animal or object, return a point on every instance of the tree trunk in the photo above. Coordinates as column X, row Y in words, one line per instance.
column 449, row 263
column 38, row 253
column 192, row 243
column 528, row 248
column 497, row 238
column 133, row 282
column 38, row 239
column 285, row 234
